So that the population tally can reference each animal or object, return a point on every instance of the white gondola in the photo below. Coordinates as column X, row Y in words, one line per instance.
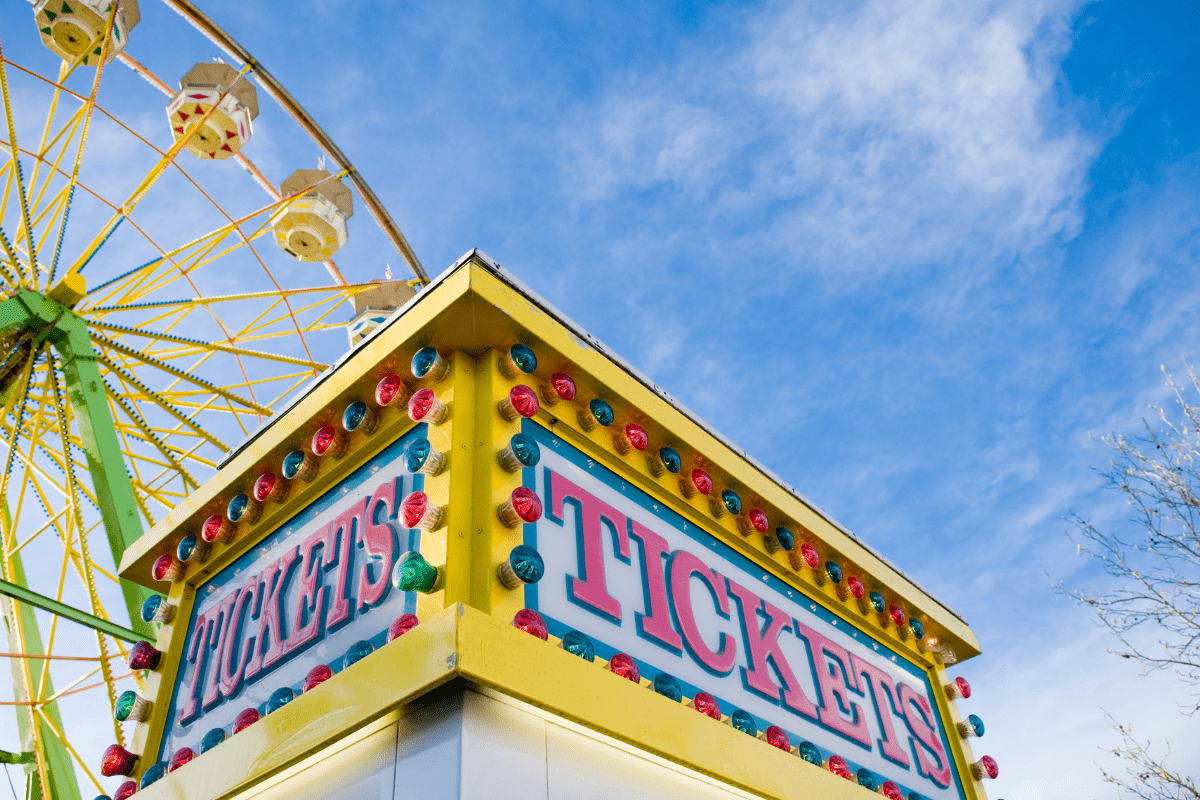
column 227, row 128
column 312, row 227
column 74, row 29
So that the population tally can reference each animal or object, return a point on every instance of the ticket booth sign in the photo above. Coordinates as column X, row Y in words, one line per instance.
column 306, row 595
column 638, row 578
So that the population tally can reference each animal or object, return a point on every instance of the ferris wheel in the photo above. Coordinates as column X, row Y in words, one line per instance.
column 177, row 259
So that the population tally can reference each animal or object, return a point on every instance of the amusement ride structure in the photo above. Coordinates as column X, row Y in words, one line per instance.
column 163, row 292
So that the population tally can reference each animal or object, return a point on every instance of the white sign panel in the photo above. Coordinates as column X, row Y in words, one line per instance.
column 639, row 579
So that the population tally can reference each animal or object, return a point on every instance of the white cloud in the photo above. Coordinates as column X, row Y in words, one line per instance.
column 888, row 136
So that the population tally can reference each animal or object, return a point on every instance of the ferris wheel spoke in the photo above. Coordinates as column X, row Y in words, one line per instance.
column 144, row 427
column 18, row 173
column 139, row 193
column 104, row 341
column 194, row 346
column 128, row 379
column 57, row 730
column 240, row 157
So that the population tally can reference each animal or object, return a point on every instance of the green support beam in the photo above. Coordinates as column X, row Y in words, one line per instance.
column 69, row 612
column 43, row 319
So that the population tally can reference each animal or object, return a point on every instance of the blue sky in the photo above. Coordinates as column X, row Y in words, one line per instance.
column 914, row 256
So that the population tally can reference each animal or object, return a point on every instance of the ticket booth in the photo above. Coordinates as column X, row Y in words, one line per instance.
column 483, row 557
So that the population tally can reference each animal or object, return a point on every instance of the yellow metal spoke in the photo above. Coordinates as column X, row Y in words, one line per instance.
column 128, row 379
column 178, row 373
column 142, row 188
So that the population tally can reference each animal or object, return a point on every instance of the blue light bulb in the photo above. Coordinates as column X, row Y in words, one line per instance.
column 152, row 774
column 416, row 454
column 353, row 416
column 526, row 563
column 667, row 686
column 150, row 607
column 523, row 357
column 602, row 411
column 358, row 651
column 280, row 698
column 424, row 361
column 525, row 449
column 731, row 501
column 578, row 644
column 744, row 722
column 212, row 739
column 670, row 459
column 787, row 539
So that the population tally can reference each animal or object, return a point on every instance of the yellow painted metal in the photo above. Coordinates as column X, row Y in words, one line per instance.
column 472, row 315
column 388, row 681
column 479, row 650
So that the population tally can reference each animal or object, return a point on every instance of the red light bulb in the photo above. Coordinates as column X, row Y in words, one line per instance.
column 523, row 506
column 810, row 556
column 560, row 387
column 316, row 676
column 838, row 766
column 698, row 481
column 424, row 406
column 531, row 621
column 419, row 512
column 246, row 719
column 634, row 438
column 166, row 568
column 707, row 705
column 777, row 737
column 125, row 790
column 270, row 488
column 958, row 688
column 402, row 625
column 328, row 441
column 856, row 588
column 390, row 389
column 521, row 401
column 896, row 615
column 116, row 761
column 143, row 656
column 216, row 529
column 985, row 767
column 891, row 791
column 755, row 520
column 624, row 665
column 180, row 757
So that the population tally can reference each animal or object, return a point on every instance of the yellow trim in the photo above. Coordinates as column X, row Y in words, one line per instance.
column 472, row 316
column 484, row 652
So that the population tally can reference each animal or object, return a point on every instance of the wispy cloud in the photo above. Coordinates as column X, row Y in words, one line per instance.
column 868, row 140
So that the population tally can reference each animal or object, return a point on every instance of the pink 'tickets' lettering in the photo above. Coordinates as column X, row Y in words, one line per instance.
column 591, row 589
column 762, row 645
column 834, row 681
column 197, row 653
column 347, row 524
column 657, row 623
column 918, row 715
column 310, row 599
column 220, row 622
column 680, row 568
column 884, row 691
column 379, row 540
column 243, row 611
column 270, row 617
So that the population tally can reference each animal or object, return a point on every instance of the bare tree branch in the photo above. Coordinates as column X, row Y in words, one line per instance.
column 1154, row 563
